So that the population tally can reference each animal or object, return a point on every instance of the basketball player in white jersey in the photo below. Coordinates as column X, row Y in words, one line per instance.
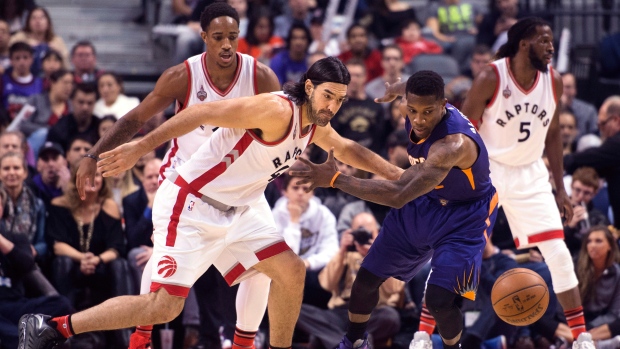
column 515, row 101
column 210, row 209
column 219, row 73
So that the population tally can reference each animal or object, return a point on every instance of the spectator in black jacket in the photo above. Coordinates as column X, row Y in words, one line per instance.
column 137, row 211
column 606, row 158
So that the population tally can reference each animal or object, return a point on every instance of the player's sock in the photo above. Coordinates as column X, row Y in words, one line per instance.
column 243, row 339
column 356, row 330
column 144, row 331
column 63, row 325
column 576, row 321
column 427, row 321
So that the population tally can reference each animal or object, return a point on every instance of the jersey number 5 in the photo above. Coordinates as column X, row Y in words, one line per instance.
column 525, row 129
column 278, row 173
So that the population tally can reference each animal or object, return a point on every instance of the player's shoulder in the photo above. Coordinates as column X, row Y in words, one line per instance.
column 175, row 74
column 266, row 78
column 488, row 74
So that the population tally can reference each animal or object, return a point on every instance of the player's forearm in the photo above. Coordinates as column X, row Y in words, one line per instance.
column 181, row 124
column 365, row 159
column 122, row 131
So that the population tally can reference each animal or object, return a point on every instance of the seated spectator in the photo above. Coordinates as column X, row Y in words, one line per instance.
column 328, row 326
column 49, row 108
column 259, row 41
column 584, row 186
column 113, row 101
column 412, row 43
column 357, row 42
column 584, row 112
column 397, row 143
column 137, row 211
column 388, row 16
column 19, row 83
column 23, row 211
column 14, row 141
column 81, row 122
column 290, row 64
column 453, row 24
column 84, row 61
column 296, row 13
column 39, row 33
column 360, row 118
column 16, row 265
column 480, row 57
column 5, row 36
column 106, row 122
column 77, row 148
column 598, row 272
column 53, row 173
column 568, row 131
column 51, row 62
column 189, row 42
column 88, row 241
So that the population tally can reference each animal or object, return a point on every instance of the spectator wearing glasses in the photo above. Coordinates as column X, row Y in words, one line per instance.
column 584, row 187
column 606, row 158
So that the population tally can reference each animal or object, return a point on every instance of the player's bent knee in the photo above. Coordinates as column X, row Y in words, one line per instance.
column 285, row 267
column 164, row 306
column 439, row 300
column 560, row 264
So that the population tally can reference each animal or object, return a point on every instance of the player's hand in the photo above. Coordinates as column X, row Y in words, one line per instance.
column 85, row 176
column 565, row 206
column 391, row 92
column 318, row 175
column 119, row 159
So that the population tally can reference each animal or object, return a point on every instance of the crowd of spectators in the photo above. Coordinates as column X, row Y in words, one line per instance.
column 59, row 253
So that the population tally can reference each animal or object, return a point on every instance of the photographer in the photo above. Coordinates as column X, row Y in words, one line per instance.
column 328, row 326
column 584, row 186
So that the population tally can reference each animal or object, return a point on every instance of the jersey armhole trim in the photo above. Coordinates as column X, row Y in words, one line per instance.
column 189, row 87
column 497, row 87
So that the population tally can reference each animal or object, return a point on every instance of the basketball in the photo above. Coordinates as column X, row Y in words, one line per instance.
column 520, row 297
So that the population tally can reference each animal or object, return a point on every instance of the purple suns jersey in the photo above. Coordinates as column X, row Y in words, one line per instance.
column 460, row 185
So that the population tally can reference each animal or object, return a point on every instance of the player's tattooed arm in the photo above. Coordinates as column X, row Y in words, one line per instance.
column 453, row 150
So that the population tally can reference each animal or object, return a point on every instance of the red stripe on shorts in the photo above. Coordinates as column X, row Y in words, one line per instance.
column 234, row 273
column 544, row 236
column 272, row 250
column 171, row 237
column 173, row 290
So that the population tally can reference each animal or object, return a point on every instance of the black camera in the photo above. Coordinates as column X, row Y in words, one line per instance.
column 361, row 236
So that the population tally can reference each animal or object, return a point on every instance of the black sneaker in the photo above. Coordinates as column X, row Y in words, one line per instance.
column 36, row 333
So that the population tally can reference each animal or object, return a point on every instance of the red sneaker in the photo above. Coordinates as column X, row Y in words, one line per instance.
column 139, row 341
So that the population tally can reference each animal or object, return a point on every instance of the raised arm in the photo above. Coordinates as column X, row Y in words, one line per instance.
column 353, row 154
column 267, row 112
column 452, row 151
column 480, row 94
column 553, row 149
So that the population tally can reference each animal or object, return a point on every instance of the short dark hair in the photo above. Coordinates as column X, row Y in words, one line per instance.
column 525, row 28
column 250, row 37
column 87, row 88
column 353, row 26
column 82, row 138
column 20, row 46
column 426, row 83
column 83, row 43
column 299, row 26
column 409, row 21
column 51, row 53
column 392, row 47
column 116, row 77
column 328, row 69
column 216, row 10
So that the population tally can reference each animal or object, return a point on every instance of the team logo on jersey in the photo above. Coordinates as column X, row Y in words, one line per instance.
column 506, row 92
column 166, row 267
column 190, row 206
column 201, row 94
column 468, row 285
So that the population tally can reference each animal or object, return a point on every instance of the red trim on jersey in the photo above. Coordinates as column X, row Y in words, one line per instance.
column 220, row 168
column 173, row 290
column 497, row 87
column 232, row 83
column 515, row 80
column 272, row 250
column 177, row 209
column 189, row 87
column 290, row 127
column 555, row 96
column 313, row 131
column 544, row 236
column 234, row 273
column 255, row 78
column 171, row 154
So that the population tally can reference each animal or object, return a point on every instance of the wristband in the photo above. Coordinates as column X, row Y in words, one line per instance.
column 331, row 184
column 96, row 158
column 101, row 260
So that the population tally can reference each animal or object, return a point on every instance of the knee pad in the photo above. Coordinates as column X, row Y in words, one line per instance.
column 560, row 264
column 442, row 304
column 365, row 292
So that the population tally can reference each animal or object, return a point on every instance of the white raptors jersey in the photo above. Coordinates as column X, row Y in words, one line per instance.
column 202, row 90
column 234, row 166
column 515, row 123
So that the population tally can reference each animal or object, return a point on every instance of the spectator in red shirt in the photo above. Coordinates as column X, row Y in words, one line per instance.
column 357, row 39
column 412, row 43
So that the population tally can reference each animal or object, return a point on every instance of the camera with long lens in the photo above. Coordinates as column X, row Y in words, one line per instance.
column 361, row 236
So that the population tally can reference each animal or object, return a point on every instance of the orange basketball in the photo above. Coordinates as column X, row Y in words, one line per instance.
column 520, row 297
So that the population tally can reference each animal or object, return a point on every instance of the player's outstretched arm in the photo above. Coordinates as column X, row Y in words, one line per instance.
column 453, row 150
column 353, row 154
column 267, row 112
column 481, row 93
column 171, row 86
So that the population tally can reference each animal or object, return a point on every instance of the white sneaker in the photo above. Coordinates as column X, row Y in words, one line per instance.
column 584, row 341
column 421, row 340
